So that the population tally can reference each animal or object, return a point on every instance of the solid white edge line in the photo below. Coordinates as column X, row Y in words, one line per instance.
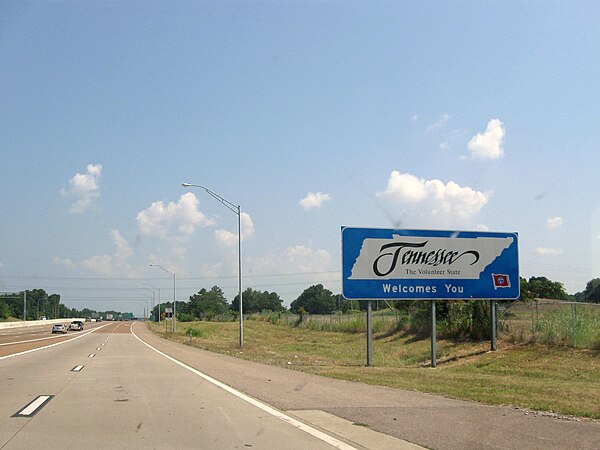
column 263, row 406
column 33, row 406
column 51, row 345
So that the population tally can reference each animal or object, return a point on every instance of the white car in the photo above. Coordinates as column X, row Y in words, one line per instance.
column 59, row 328
column 76, row 325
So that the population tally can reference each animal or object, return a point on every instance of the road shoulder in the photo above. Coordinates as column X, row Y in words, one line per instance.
column 428, row 420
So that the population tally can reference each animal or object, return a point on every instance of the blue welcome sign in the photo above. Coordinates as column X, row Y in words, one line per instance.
column 398, row 264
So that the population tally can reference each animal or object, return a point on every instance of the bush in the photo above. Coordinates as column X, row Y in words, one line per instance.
column 565, row 328
column 185, row 317
column 465, row 320
column 193, row 331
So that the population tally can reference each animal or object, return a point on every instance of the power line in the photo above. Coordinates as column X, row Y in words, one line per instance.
column 215, row 277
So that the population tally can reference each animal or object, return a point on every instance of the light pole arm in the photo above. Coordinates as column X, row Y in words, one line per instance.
column 231, row 206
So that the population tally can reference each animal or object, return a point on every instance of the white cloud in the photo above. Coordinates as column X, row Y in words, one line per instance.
column 307, row 259
column 314, row 200
column 482, row 227
column 295, row 259
column 545, row 251
column 184, row 216
column 111, row 264
column 554, row 222
column 173, row 260
column 123, row 250
column 100, row 264
column 414, row 118
column 230, row 239
column 84, row 188
column 405, row 187
column 226, row 238
column 488, row 145
column 451, row 138
column 438, row 125
column 446, row 203
column 63, row 262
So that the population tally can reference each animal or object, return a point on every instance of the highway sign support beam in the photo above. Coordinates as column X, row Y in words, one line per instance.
column 369, row 333
column 433, row 336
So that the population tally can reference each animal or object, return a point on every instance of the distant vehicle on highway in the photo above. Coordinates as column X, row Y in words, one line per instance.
column 59, row 328
column 99, row 319
column 76, row 325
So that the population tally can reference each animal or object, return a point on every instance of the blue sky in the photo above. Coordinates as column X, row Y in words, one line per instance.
column 310, row 115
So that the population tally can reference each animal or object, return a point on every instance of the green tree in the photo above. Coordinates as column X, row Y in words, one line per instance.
column 315, row 300
column 256, row 301
column 592, row 291
column 206, row 304
column 5, row 310
column 542, row 287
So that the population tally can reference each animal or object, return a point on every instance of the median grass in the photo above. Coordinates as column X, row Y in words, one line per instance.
column 533, row 376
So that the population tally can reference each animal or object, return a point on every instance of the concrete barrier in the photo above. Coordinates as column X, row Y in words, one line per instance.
column 33, row 323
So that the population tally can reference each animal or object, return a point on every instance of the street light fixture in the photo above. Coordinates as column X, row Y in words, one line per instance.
column 236, row 210
column 174, row 302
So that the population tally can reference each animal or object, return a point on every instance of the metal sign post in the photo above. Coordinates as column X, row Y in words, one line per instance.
column 493, row 313
column 369, row 333
column 433, row 336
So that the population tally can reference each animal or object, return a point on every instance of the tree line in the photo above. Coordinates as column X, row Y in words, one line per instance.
column 208, row 303
column 38, row 304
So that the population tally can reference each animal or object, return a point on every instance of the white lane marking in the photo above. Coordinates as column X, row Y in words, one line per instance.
column 32, row 340
column 91, row 355
column 98, row 349
column 34, row 406
column 263, row 406
column 77, row 369
column 51, row 345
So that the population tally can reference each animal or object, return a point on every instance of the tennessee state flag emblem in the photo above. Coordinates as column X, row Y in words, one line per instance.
column 501, row 281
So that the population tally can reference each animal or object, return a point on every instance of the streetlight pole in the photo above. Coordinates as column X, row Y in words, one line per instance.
column 152, row 298
column 158, row 289
column 236, row 209
column 174, row 302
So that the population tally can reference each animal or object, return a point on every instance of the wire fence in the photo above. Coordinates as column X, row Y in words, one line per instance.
column 552, row 322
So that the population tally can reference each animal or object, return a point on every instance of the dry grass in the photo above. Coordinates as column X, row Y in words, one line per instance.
column 561, row 380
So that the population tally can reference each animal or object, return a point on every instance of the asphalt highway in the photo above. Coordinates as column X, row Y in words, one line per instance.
column 116, row 385
column 106, row 388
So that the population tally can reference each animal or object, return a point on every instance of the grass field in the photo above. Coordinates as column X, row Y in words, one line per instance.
column 537, row 377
